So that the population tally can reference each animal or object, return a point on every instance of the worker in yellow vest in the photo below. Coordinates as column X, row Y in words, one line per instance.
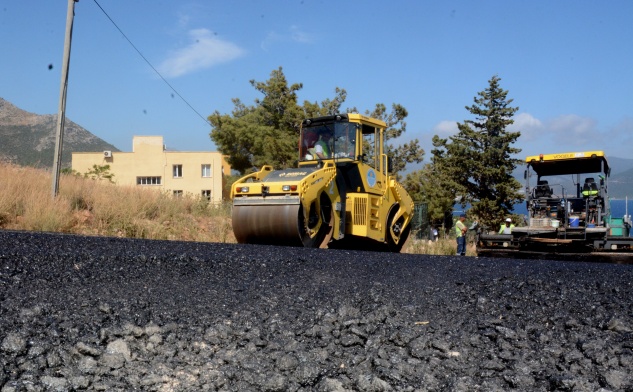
column 460, row 233
column 506, row 228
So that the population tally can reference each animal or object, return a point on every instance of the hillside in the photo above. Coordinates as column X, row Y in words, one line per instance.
column 621, row 184
column 620, row 165
column 28, row 139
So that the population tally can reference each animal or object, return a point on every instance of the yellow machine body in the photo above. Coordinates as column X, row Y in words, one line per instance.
column 341, row 195
column 568, row 213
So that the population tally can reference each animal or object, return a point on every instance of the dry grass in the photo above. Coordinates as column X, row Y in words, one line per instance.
column 443, row 246
column 92, row 207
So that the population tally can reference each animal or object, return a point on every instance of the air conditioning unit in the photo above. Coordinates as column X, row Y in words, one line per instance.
column 107, row 154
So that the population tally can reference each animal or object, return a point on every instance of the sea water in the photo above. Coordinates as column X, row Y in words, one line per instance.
column 618, row 208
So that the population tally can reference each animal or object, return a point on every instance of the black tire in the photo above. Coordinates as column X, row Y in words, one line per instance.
column 395, row 244
column 320, row 220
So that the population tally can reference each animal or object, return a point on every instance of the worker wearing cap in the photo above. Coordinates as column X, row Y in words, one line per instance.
column 460, row 233
column 506, row 228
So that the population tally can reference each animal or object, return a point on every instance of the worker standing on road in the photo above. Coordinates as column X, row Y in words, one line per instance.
column 460, row 232
column 506, row 228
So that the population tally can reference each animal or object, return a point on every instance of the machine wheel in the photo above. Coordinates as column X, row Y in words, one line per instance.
column 402, row 233
column 495, row 237
column 317, row 231
column 267, row 225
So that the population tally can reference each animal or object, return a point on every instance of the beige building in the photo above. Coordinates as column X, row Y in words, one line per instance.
column 151, row 166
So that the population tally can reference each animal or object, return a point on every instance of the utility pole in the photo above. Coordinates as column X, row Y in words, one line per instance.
column 61, row 114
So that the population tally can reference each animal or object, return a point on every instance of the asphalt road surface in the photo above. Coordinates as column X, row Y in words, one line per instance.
column 106, row 314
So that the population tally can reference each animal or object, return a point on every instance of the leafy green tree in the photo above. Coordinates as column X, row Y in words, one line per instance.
column 403, row 154
column 70, row 172
column 100, row 173
column 328, row 107
column 478, row 159
column 432, row 185
column 268, row 132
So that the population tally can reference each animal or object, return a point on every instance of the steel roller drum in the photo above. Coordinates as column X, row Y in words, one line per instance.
column 267, row 224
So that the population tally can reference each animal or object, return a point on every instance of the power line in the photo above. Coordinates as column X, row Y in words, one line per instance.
column 150, row 64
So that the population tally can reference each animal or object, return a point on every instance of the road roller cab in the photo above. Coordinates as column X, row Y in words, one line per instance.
column 340, row 196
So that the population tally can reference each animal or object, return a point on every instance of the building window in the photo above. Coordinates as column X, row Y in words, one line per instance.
column 177, row 171
column 206, row 194
column 177, row 193
column 206, row 170
column 148, row 180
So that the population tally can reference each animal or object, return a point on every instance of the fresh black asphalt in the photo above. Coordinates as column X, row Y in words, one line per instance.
column 108, row 314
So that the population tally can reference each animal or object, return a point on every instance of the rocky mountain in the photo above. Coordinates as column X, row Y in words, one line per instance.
column 620, row 165
column 28, row 139
column 621, row 184
column 621, row 179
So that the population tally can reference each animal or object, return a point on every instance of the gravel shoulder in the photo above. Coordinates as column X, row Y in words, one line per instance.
column 107, row 314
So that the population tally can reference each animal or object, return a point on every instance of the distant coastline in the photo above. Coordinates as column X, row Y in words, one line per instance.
column 618, row 207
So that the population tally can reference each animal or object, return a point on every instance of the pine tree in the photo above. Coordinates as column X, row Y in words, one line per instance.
column 479, row 158
column 267, row 133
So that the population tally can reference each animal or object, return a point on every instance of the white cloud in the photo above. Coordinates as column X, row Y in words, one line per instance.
column 300, row 36
column 531, row 128
column 573, row 129
column 183, row 20
column 294, row 35
column 569, row 132
column 204, row 51
column 565, row 133
column 445, row 129
column 619, row 139
column 270, row 39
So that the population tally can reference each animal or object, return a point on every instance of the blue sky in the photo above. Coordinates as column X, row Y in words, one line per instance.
column 567, row 64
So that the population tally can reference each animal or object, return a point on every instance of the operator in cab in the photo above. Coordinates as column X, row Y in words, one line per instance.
column 322, row 147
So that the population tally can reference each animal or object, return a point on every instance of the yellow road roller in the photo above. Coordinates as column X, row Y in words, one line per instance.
column 341, row 195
